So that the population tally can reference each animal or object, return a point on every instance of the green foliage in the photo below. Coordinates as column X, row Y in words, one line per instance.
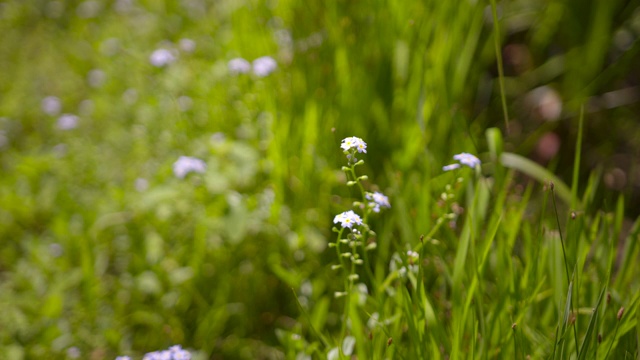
column 106, row 252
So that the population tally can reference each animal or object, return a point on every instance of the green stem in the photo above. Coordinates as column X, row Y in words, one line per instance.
column 566, row 264
column 496, row 37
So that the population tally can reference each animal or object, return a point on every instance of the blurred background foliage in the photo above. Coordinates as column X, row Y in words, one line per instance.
column 105, row 251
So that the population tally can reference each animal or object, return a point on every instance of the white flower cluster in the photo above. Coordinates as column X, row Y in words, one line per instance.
column 464, row 159
column 347, row 219
column 354, row 143
column 262, row 66
column 378, row 200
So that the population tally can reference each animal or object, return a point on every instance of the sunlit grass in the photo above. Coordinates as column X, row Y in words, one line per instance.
column 112, row 246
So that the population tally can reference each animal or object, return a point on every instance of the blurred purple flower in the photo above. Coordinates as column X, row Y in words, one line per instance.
column 238, row 66
column 67, row 122
column 51, row 105
column 264, row 66
column 187, row 164
column 162, row 57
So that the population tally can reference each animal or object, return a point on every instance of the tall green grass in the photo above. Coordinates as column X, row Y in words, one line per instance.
column 517, row 259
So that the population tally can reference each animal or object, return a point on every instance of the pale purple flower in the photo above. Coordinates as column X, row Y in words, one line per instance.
column 347, row 219
column 51, row 105
column 67, row 122
column 187, row 45
column 162, row 57
column 96, row 78
column 238, row 66
column 467, row 159
column 378, row 200
column 187, row 164
column 264, row 66
column 123, row 358
column 354, row 143
column 174, row 353
column 450, row 167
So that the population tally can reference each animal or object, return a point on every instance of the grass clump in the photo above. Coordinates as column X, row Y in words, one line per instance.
column 172, row 173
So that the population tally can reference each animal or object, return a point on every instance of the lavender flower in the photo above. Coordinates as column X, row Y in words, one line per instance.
column 51, row 105
column 173, row 353
column 161, row 57
column 187, row 45
column 378, row 200
column 467, row 159
column 238, row 66
column 187, row 164
column 67, row 122
column 450, row 167
column 264, row 66
column 464, row 159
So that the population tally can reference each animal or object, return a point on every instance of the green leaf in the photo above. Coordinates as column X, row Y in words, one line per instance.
column 589, row 336
column 537, row 172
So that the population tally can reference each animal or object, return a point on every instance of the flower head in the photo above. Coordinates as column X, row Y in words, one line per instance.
column 264, row 66
column 173, row 353
column 187, row 164
column 238, row 66
column 412, row 255
column 347, row 219
column 51, row 105
column 467, row 159
column 378, row 200
column 354, row 143
column 67, row 122
column 187, row 45
column 162, row 57
column 450, row 167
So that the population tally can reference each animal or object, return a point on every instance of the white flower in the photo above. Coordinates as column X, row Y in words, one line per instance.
column 467, row 159
column 67, row 122
column 51, row 105
column 412, row 255
column 162, row 57
column 187, row 164
column 450, row 167
column 238, row 66
column 378, row 200
column 264, row 66
column 347, row 219
column 354, row 143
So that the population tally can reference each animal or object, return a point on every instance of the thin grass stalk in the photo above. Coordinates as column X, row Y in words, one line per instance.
column 564, row 254
column 496, row 38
